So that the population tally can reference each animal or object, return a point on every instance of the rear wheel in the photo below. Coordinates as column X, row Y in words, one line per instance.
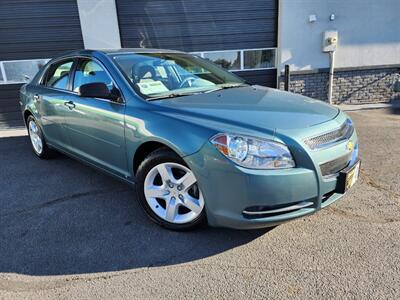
column 169, row 192
column 38, row 142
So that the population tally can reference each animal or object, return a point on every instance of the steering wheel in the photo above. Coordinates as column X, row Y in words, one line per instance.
column 188, row 80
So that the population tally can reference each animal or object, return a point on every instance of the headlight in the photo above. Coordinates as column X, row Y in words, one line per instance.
column 253, row 153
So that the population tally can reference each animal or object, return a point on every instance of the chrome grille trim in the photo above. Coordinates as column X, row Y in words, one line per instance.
column 297, row 206
column 333, row 167
column 331, row 138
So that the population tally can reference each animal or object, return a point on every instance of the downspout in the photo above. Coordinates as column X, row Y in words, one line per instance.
column 329, row 44
column 331, row 74
column 278, row 57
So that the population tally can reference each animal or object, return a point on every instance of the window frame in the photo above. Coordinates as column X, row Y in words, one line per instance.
column 3, row 74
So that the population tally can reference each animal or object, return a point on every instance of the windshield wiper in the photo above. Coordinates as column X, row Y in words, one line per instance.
column 227, row 86
column 220, row 87
column 173, row 95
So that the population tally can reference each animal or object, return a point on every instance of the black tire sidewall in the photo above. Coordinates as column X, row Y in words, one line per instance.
column 158, row 157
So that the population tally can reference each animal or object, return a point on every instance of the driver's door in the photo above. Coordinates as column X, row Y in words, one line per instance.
column 96, row 126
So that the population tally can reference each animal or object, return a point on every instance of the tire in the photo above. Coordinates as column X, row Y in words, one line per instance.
column 172, row 200
column 38, row 142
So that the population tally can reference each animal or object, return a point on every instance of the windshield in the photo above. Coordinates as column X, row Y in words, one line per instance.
column 168, row 75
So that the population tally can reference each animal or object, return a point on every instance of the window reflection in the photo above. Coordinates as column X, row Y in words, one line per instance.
column 19, row 71
column 58, row 75
column 252, row 58
column 258, row 59
column 229, row 60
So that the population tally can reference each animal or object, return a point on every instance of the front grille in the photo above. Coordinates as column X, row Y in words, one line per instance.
column 335, row 166
column 256, row 212
column 330, row 138
column 326, row 197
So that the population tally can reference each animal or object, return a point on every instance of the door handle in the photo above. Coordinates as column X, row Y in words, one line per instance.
column 36, row 98
column 70, row 104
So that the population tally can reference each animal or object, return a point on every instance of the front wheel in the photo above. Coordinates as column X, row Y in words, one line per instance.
column 169, row 192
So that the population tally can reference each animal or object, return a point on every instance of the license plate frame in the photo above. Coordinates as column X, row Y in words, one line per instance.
column 348, row 177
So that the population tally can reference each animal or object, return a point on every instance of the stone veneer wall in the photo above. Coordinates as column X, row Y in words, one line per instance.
column 361, row 85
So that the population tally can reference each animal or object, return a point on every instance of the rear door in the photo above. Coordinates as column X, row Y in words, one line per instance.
column 96, row 127
column 49, row 101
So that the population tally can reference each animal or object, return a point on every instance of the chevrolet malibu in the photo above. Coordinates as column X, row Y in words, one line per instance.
column 199, row 143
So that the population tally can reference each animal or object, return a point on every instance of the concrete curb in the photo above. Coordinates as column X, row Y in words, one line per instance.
column 355, row 107
column 4, row 133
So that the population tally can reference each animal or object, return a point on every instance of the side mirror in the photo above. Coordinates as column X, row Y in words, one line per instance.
column 94, row 90
column 99, row 90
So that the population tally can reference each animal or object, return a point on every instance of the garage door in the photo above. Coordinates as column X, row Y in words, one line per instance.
column 206, row 26
column 38, row 28
column 29, row 30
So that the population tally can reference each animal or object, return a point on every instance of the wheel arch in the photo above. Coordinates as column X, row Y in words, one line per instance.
column 148, row 147
column 154, row 130
column 27, row 113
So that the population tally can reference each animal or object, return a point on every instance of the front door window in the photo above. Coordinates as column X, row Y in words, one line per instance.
column 89, row 71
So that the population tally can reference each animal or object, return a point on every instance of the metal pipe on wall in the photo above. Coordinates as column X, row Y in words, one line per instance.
column 331, row 73
column 287, row 77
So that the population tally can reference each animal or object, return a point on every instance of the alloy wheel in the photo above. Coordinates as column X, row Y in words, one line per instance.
column 35, row 137
column 172, row 193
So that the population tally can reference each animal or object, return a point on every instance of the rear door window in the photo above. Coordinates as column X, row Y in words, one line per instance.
column 58, row 75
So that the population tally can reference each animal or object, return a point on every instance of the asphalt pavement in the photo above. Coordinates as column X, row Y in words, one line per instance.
column 68, row 231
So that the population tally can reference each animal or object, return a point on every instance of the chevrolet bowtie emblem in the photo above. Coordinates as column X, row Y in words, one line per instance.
column 350, row 146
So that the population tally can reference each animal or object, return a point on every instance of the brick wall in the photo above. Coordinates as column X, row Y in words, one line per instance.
column 349, row 86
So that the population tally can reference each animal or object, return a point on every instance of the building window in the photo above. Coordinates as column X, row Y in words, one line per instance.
column 242, row 60
column 259, row 59
column 229, row 60
column 20, row 71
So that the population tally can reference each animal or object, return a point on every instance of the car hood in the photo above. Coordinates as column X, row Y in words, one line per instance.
column 252, row 106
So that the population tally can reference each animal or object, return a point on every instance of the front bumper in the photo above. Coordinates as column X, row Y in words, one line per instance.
column 231, row 192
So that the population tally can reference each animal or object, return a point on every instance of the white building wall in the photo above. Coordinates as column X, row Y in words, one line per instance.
column 99, row 23
column 369, row 33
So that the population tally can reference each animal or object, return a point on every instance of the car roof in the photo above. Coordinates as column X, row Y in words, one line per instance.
column 139, row 50
column 118, row 51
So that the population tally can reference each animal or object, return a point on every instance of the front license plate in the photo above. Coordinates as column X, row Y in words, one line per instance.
column 348, row 177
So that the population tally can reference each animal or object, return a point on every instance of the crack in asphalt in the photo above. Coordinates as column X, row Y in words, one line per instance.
column 354, row 216
column 23, row 286
column 171, row 258
column 61, row 200
column 373, row 183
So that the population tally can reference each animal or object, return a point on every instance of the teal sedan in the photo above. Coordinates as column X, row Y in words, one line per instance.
column 200, row 144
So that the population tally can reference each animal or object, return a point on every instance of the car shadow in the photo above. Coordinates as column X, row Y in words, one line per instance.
column 395, row 110
column 61, row 217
